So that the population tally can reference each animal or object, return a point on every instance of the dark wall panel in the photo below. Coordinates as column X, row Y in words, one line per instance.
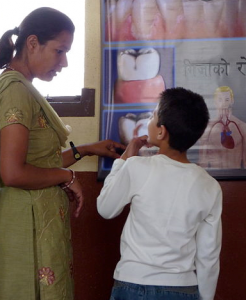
column 96, row 243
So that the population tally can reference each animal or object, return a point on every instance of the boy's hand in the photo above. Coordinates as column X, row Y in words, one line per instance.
column 133, row 147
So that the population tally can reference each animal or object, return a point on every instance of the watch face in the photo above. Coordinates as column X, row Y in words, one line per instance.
column 77, row 156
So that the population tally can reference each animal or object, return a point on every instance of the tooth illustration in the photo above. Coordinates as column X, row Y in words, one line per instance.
column 139, row 91
column 193, row 12
column 110, row 25
column 132, row 125
column 123, row 9
column 129, row 20
column 212, row 15
column 138, row 79
column 145, row 115
column 142, row 124
column 127, row 130
column 230, row 17
column 242, row 19
column 127, row 125
column 118, row 20
column 171, row 11
column 111, row 6
column 138, row 65
column 144, row 14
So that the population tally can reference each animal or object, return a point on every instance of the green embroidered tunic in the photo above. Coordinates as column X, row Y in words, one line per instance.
column 35, row 240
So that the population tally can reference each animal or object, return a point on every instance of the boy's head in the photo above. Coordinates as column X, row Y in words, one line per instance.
column 185, row 116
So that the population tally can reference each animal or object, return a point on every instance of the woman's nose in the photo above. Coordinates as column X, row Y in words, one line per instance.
column 64, row 62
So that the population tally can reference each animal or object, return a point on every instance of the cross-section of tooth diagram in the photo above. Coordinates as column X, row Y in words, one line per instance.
column 138, row 79
column 136, row 75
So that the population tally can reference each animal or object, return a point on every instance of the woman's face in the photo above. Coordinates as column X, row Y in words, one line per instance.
column 50, row 58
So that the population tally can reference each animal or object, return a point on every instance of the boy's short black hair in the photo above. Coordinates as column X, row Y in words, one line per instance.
column 185, row 116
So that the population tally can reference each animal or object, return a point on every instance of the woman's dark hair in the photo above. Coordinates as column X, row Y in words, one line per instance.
column 45, row 22
column 185, row 116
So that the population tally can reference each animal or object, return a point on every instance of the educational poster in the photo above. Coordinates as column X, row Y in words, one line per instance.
column 151, row 45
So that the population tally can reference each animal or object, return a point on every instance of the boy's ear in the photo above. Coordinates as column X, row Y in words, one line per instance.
column 162, row 133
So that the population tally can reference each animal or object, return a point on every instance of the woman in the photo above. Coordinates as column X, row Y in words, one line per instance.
column 35, row 182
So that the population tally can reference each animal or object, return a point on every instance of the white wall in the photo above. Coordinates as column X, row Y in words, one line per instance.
column 86, row 129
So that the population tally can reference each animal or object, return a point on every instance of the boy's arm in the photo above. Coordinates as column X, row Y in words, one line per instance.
column 115, row 192
column 208, row 239
column 134, row 146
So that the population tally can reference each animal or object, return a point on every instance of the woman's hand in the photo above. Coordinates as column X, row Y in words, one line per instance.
column 107, row 148
column 74, row 193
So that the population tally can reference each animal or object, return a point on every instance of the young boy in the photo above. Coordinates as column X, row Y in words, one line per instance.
column 171, row 241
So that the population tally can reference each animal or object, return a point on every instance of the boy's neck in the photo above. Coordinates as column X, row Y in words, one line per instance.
column 174, row 154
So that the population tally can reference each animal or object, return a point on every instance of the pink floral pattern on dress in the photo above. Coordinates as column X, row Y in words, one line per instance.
column 46, row 276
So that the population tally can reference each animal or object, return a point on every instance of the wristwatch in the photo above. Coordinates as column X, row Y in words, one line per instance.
column 76, row 153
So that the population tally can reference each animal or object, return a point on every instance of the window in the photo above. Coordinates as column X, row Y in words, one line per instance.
column 71, row 80
column 66, row 92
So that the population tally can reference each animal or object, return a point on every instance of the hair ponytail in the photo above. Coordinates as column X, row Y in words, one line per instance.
column 7, row 47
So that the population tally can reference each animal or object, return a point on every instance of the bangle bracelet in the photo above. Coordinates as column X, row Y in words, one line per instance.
column 66, row 186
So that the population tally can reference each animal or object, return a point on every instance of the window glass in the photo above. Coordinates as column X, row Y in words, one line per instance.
column 71, row 80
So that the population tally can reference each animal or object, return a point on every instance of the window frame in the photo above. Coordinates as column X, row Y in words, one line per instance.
column 74, row 106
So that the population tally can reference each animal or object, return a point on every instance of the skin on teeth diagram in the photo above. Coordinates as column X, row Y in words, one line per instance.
column 129, row 20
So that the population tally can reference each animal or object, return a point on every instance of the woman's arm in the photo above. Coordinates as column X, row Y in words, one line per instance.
column 15, row 171
column 107, row 148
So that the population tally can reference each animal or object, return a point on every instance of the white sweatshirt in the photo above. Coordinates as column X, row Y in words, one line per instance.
column 172, row 236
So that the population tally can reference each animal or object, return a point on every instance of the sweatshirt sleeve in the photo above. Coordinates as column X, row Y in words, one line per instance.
column 115, row 192
column 209, row 236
